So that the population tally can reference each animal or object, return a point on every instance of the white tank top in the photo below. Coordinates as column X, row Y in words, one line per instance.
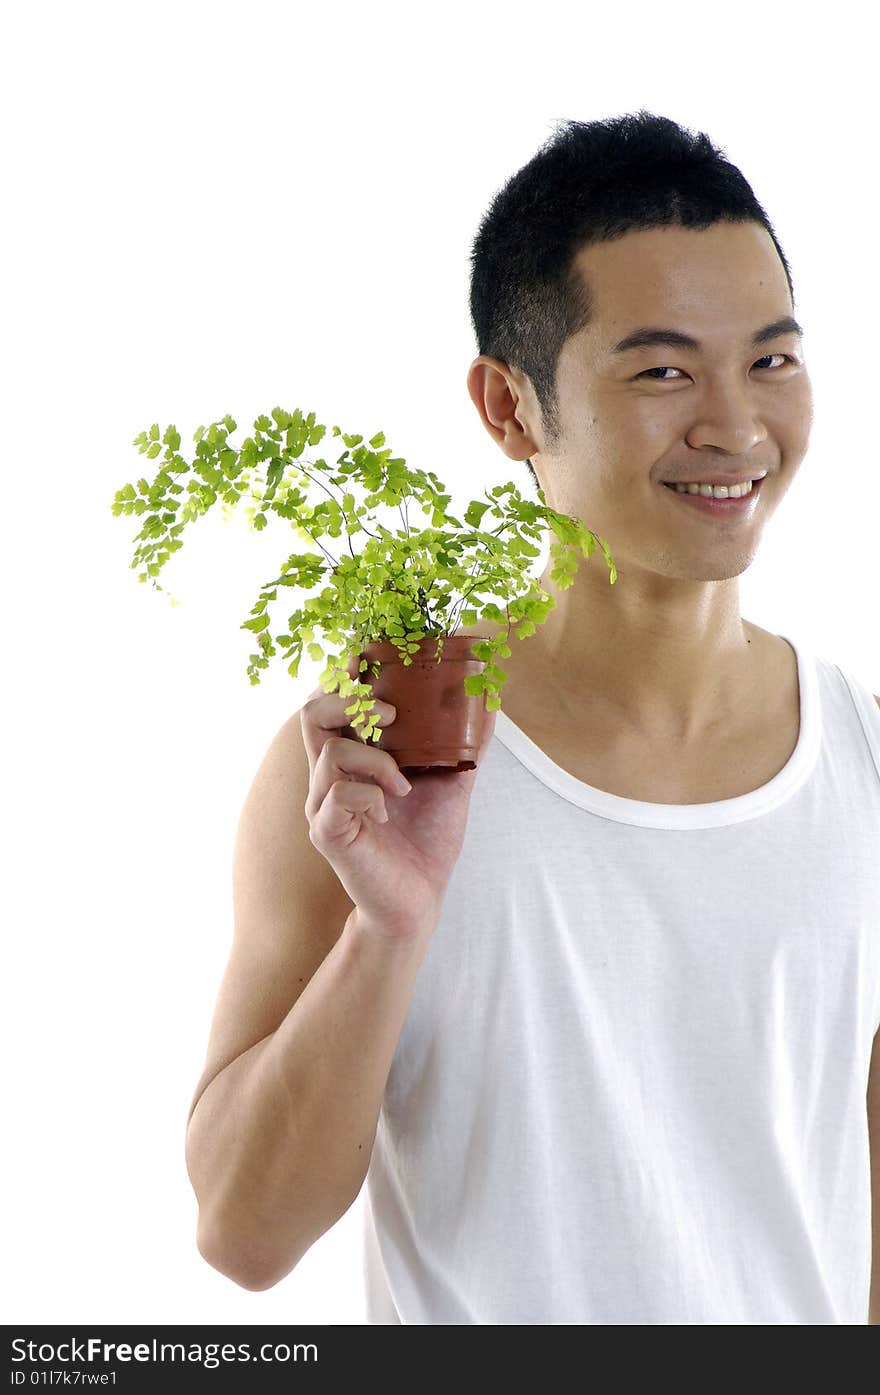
column 630, row 1086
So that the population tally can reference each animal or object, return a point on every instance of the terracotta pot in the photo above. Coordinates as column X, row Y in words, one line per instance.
column 438, row 724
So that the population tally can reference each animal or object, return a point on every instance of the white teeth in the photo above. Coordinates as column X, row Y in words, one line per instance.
column 716, row 491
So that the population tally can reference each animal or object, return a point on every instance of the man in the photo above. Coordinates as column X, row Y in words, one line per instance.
column 625, row 1079
column 647, row 1100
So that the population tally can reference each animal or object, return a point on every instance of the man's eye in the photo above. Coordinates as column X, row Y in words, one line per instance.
column 668, row 369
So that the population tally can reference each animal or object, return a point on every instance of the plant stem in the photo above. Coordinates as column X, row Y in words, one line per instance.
column 482, row 575
column 320, row 545
column 336, row 501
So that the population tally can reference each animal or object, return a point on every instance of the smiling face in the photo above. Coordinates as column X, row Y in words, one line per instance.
column 631, row 418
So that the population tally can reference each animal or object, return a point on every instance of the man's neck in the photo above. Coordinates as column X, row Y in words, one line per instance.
column 652, row 678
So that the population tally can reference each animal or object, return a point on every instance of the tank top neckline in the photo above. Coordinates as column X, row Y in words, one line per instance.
column 716, row 814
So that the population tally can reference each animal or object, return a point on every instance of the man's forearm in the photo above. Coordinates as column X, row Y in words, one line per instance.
column 279, row 1143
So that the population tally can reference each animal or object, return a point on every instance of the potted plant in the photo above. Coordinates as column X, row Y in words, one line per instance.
column 395, row 603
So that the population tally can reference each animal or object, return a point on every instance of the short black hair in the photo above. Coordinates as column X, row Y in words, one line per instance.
column 591, row 181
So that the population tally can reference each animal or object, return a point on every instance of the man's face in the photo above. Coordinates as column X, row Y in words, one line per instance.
column 632, row 419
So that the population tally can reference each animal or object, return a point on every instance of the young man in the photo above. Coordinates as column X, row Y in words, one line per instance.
column 631, row 1085
column 631, row 1074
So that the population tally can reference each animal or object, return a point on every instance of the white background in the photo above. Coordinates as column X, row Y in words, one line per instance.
column 213, row 208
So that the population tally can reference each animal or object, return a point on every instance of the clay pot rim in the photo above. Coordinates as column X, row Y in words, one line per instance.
column 390, row 649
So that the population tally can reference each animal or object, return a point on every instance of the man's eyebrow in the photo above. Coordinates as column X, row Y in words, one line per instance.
column 647, row 337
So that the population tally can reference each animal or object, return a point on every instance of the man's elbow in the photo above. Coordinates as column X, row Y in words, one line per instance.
column 248, row 1271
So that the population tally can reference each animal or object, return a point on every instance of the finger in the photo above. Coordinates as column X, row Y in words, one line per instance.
column 353, row 761
column 341, row 814
column 324, row 716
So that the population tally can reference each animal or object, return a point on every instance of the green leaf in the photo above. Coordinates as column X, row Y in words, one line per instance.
column 258, row 624
column 474, row 513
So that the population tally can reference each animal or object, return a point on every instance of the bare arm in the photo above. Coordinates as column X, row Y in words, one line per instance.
column 339, row 876
column 279, row 1142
